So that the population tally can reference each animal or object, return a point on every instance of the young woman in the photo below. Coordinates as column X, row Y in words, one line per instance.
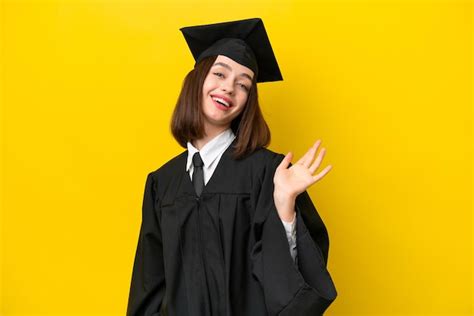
column 228, row 227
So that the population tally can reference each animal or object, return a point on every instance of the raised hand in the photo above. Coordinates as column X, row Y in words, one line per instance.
column 289, row 182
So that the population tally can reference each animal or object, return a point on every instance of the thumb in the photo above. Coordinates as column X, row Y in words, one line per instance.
column 286, row 161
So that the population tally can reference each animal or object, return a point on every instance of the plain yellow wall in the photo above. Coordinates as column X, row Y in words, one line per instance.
column 88, row 88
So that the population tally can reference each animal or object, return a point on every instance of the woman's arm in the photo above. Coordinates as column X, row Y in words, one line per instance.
column 291, row 182
column 302, row 289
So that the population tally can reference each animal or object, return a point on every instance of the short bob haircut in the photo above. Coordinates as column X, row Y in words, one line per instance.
column 250, row 128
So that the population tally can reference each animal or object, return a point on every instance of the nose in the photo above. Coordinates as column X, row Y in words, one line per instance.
column 227, row 86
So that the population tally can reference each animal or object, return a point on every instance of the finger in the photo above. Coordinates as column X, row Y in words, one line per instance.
column 306, row 157
column 309, row 155
column 322, row 173
column 318, row 160
column 286, row 161
column 302, row 159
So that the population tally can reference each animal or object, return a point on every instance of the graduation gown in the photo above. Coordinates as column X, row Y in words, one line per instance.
column 226, row 252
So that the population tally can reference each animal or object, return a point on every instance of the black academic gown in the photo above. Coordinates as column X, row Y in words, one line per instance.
column 226, row 252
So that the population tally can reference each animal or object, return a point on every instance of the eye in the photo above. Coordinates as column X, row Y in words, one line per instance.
column 244, row 86
column 218, row 74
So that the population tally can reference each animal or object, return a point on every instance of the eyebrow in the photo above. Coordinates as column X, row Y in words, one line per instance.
column 230, row 68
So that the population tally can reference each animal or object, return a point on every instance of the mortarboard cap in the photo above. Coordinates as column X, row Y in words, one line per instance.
column 244, row 41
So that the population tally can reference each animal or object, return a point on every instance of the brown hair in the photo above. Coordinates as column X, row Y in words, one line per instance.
column 250, row 128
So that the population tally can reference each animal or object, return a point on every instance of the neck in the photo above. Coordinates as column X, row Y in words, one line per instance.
column 210, row 133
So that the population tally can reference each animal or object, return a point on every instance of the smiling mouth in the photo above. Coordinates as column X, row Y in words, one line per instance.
column 220, row 105
column 221, row 100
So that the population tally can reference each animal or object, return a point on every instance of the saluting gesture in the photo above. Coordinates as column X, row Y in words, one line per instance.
column 290, row 182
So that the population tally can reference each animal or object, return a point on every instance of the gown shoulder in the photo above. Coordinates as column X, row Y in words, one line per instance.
column 170, row 166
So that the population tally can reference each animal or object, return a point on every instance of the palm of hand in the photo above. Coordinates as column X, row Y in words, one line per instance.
column 296, row 179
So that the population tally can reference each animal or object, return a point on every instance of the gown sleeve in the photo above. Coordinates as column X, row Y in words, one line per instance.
column 305, row 288
column 148, row 280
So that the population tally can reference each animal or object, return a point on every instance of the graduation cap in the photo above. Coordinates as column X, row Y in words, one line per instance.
column 244, row 41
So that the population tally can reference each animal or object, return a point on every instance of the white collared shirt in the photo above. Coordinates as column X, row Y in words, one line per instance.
column 210, row 154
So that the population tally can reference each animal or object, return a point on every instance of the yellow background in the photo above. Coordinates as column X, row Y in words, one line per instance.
column 88, row 88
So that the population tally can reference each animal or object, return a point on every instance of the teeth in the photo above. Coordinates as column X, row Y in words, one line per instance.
column 221, row 101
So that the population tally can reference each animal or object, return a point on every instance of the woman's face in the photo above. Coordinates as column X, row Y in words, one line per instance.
column 227, row 82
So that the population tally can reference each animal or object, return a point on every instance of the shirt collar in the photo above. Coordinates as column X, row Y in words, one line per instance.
column 211, row 150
